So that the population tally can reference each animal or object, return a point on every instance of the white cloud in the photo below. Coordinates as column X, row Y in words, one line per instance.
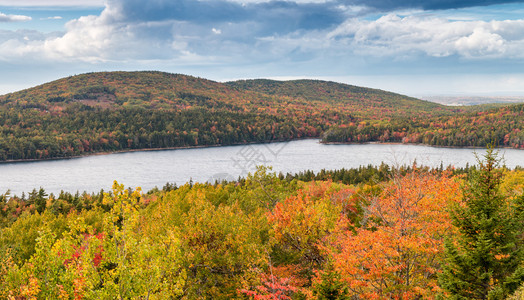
column 392, row 35
column 481, row 43
column 86, row 38
column 13, row 18
column 52, row 18
column 41, row 3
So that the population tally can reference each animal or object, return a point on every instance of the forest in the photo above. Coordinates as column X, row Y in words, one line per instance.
column 500, row 126
column 119, row 111
column 365, row 233
column 374, row 232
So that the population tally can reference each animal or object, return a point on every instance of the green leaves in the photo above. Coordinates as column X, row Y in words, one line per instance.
column 485, row 259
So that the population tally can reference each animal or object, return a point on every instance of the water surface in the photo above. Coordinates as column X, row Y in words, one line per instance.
column 148, row 169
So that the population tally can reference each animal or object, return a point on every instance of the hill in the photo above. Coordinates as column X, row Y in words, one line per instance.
column 115, row 111
column 155, row 90
column 365, row 102
column 158, row 90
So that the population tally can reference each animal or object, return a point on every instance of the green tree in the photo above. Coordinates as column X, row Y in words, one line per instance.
column 484, row 260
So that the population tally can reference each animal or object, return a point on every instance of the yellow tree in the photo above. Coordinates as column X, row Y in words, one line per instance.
column 222, row 246
column 137, row 265
column 118, row 263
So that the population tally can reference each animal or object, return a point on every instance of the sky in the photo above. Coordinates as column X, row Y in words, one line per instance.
column 413, row 47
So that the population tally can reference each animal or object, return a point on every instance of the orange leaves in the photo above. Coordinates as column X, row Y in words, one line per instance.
column 395, row 254
column 312, row 212
column 302, row 223
column 271, row 288
column 31, row 289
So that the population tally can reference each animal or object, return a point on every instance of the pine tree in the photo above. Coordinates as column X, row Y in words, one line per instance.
column 484, row 261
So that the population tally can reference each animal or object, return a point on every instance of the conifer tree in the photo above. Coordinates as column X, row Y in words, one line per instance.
column 484, row 260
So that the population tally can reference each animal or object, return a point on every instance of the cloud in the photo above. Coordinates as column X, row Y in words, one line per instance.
column 388, row 5
column 275, row 16
column 380, row 5
column 40, row 3
column 250, row 32
column 52, row 18
column 13, row 18
column 396, row 36
column 165, row 29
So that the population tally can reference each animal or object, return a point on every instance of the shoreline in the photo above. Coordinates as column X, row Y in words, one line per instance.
column 13, row 161
column 415, row 144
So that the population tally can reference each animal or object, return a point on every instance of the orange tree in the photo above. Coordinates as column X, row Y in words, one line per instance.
column 395, row 253
column 299, row 226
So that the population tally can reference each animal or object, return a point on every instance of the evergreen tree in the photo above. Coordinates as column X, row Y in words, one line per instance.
column 330, row 287
column 484, row 261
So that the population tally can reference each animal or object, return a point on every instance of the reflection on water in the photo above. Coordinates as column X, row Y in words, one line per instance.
column 154, row 168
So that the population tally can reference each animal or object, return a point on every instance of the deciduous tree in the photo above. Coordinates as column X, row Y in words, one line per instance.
column 395, row 252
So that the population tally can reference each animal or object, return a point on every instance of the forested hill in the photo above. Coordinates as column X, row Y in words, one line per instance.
column 113, row 111
column 160, row 90
column 156, row 90
column 359, row 99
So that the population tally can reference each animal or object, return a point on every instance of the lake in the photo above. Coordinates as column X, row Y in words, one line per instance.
column 148, row 169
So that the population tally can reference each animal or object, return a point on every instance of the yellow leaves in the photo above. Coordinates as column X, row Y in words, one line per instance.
column 77, row 226
column 30, row 290
column 124, row 204
column 513, row 183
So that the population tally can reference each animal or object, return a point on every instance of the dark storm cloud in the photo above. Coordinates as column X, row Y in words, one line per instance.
column 282, row 16
column 250, row 20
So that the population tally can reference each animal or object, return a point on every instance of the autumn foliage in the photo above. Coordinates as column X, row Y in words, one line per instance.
column 263, row 237
column 395, row 253
column 120, row 111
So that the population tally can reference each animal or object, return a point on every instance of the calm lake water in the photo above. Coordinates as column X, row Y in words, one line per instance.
column 148, row 169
